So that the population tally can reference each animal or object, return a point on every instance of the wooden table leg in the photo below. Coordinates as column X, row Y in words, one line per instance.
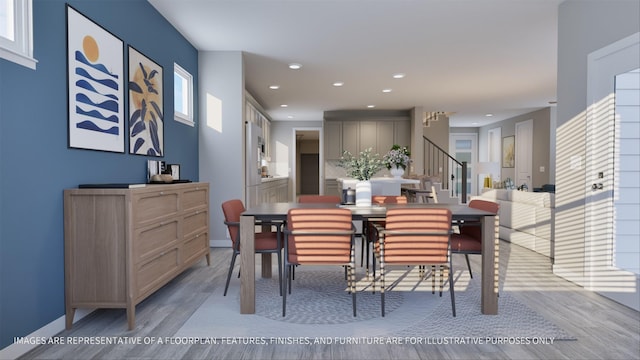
column 266, row 265
column 247, row 265
column 266, row 258
column 490, row 265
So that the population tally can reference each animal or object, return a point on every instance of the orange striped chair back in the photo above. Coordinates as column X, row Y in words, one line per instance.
column 416, row 236
column 319, row 236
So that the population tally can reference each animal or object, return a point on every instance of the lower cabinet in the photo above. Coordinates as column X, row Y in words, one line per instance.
column 276, row 190
column 122, row 245
column 331, row 187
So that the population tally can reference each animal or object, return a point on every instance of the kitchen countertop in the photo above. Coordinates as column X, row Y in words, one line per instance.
column 384, row 179
column 274, row 178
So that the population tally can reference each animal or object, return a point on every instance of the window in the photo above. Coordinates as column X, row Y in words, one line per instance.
column 183, row 95
column 16, row 28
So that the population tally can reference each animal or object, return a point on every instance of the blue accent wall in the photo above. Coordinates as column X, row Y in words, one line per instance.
column 36, row 165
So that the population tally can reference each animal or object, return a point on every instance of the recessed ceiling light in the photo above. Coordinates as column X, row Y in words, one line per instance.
column 294, row 66
column 398, row 76
column 386, row 90
column 284, row 105
column 338, row 83
column 371, row 106
column 274, row 87
column 488, row 115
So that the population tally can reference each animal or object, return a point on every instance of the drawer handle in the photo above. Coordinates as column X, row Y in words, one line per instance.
column 161, row 192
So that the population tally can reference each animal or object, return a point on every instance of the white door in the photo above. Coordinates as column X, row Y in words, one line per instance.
column 494, row 150
column 612, row 194
column 463, row 147
column 524, row 154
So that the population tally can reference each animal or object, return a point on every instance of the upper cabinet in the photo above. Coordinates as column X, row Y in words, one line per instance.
column 357, row 135
column 254, row 115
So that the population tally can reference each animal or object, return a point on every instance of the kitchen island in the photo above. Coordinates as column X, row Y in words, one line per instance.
column 380, row 185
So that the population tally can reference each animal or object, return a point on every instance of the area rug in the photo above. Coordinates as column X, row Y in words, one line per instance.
column 320, row 306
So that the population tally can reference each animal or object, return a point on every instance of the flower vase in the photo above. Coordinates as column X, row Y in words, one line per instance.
column 397, row 172
column 363, row 193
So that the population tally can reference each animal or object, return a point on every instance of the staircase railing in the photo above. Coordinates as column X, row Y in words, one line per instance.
column 440, row 163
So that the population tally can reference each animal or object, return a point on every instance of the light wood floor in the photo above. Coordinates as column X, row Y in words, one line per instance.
column 603, row 328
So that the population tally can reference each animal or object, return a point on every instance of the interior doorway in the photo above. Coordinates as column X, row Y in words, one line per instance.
column 309, row 174
column 308, row 161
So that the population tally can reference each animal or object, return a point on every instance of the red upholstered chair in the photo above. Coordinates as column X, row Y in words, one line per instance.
column 319, row 236
column 416, row 236
column 265, row 242
column 330, row 199
column 469, row 240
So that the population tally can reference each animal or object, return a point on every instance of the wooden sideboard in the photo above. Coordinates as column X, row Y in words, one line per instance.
column 121, row 245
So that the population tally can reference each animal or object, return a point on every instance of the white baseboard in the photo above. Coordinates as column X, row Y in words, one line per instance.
column 16, row 350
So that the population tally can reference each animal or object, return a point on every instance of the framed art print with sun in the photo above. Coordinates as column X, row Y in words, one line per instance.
column 95, row 89
column 146, row 115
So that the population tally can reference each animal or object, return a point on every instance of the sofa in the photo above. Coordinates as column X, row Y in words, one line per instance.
column 526, row 218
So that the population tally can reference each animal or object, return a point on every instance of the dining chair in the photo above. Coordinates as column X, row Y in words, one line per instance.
column 416, row 236
column 317, row 199
column 424, row 191
column 265, row 242
column 319, row 236
column 370, row 234
column 469, row 240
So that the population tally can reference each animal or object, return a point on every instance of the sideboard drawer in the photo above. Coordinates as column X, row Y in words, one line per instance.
column 153, row 239
column 193, row 198
column 155, row 272
column 193, row 248
column 154, row 206
column 194, row 223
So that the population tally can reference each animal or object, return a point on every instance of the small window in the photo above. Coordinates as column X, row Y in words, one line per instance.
column 16, row 32
column 183, row 95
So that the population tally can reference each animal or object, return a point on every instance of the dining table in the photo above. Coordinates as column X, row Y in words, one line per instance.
column 277, row 212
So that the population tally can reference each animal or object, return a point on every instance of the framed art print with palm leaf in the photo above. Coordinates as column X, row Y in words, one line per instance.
column 146, row 114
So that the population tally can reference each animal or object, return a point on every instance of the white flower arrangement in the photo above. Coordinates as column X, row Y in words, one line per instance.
column 398, row 157
column 362, row 167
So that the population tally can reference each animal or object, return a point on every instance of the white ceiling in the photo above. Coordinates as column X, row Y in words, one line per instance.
column 466, row 57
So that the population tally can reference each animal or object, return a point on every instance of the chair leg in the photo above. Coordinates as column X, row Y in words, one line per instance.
column 362, row 242
column 451, row 291
column 468, row 265
column 382, row 286
column 233, row 262
column 284, row 291
column 441, row 269
column 280, row 271
column 433, row 279
column 352, row 276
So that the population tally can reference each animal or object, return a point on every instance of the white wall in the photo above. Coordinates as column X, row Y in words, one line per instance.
column 221, row 82
column 583, row 27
